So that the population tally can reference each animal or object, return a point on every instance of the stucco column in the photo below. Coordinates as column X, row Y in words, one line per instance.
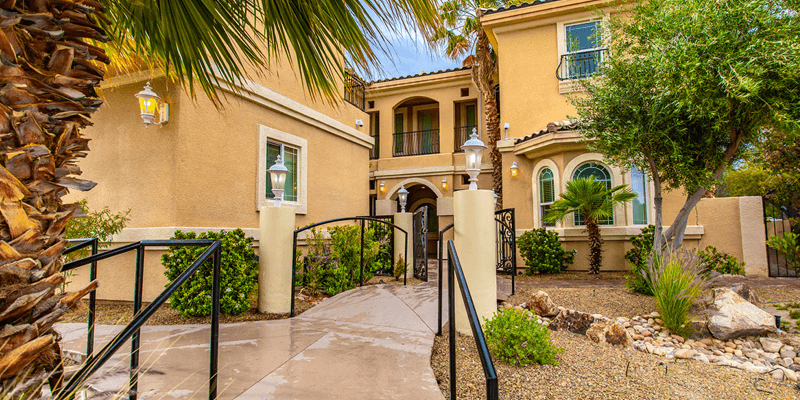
column 405, row 221
column 275, row 289
column 475, row 243
column 754, row 237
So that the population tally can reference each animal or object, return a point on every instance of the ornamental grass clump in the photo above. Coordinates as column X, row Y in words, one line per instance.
column 676, row 280
column 518, row 338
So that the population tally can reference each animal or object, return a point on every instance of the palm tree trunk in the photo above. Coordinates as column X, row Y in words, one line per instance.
column 482, row 74
column 595, row 246
column 49, row 78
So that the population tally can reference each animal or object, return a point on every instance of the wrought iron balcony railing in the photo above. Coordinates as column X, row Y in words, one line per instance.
column 354, row 88
column 415, row 143
column 461, row 136
column 582, row 64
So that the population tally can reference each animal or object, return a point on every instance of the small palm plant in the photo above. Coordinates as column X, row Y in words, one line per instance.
column 593, row 201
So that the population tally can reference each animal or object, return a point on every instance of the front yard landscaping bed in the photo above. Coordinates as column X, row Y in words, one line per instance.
column 616, row 302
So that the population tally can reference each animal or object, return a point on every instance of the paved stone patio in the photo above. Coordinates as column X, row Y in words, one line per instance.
column 373, row 342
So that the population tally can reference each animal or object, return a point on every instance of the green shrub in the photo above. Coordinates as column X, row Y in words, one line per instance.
column 518, row 338
column 787, row 244
column 794, row 314
column 637, row 261
column 543, row 253
column 721, row 262
column 399, row 268
column 101, row 224
column 333, row 265
column 239, row 274
column 677, row 281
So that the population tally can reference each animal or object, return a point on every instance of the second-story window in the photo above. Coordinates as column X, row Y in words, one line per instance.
column 584, row 51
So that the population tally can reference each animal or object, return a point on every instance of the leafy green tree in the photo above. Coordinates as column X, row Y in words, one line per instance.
column 593, row 201
column 690, row 84
column 750, row 180
column 460, row 36
column 780, row 155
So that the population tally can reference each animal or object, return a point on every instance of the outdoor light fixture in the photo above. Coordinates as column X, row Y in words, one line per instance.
column 402, row 195
column 149, row 105
column 277, row 174
column 473, row 148
column 444, row 183
column 506, row 126
column 382, row 187
column 514, row 169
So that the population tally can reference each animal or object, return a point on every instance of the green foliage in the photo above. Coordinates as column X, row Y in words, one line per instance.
column 637, row 258
column 518, row 338
column 723, row 263
column 102, row 224
column 752, row 180
column 787, row 244
column 543, row 252
column 399, row 268
column 794, row 314
column 780, row 155
column 677, row 282
column 332, row 265
column 239, row 274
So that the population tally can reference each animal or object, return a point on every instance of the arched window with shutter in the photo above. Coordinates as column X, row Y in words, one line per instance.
column 547, row 193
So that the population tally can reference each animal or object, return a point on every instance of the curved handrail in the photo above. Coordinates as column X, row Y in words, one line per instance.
column 441, row 255
column 330, row 221
column 454, row 271
column 95, row 244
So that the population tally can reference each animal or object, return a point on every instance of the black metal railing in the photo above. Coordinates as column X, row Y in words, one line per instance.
column 454, row 272
column 354, row 88
column 415, row 143
column 582, row 64
column 441, row 277
column 132, row 331
column 461, row 136
column 420, row 243
column 78, row 245
column 777, row 221
column 387, row 253
column 506, row 239
column 361, row 259
column 375, row 152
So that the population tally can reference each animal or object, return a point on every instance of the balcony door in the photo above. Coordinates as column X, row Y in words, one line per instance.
column 427, row 134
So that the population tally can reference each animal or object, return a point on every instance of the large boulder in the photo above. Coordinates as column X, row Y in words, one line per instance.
column 573, row 321
column 609, row 332
column 541, row 304
column 733, row 316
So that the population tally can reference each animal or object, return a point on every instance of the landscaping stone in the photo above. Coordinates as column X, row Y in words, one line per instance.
column 684, row 354
column 541, row 303
column 609, row 332
column 573, row 321
column 736, row 317
column 770, row 345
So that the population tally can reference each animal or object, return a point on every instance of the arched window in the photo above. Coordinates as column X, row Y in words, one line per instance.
column 600, row 174
column 639, row 203
column 547, row 193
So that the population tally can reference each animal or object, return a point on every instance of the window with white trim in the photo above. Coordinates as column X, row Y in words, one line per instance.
column 639, row 203
column 291, row 157
column 547, row 193
column 584, row 48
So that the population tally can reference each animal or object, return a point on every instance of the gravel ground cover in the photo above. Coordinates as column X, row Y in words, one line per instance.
column 611, row 302
column 572, row 276
column 590, row 371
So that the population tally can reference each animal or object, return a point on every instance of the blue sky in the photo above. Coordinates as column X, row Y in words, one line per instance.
column 409, row 55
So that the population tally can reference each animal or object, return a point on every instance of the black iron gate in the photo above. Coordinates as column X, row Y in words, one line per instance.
column 386, row 253
column 506, row 243
column 777, row 222
column 421, row 243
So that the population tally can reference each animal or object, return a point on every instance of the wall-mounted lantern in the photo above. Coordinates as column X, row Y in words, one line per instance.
column 402, row 195
column 277, row 174
column 514, row 169
column 444, row 183
column 473, row 149
column 150, row 105
column 505, row 127
column 382, row 187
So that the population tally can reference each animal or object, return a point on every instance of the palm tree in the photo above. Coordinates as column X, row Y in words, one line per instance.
column 593, row 201
column 461, row 37
column 52, row 53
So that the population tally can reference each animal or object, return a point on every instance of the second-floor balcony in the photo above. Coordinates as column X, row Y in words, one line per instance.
column 580, row 64
column 415, row 143
column 354, row 88
column 461, row 135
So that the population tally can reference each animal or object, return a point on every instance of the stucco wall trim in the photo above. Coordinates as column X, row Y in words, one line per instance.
column 614, row 233
column 425, row 171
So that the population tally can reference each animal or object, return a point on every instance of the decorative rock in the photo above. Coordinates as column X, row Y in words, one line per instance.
column 609, row 332
column 770, row 345
column 659, row 321
column 787, row 353
column 655, row 314
column 542, row 305
column 791, row 375
column 507, row 306
column 737, row 317
column 660, row 351
column 684, row 354
column 730, row 345
column 786, row 362
column 737, row 353
column 699, row 357
column 649, row 347
column 573, row 321
column 651, row 321
column 729, row 350
column 518, row 308
column 678, row 338
column 777, row 374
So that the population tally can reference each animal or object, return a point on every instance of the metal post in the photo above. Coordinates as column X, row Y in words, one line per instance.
column 214, row 350
column 405, row 259
column 294, row 265
column 137, row 306
column 361, row 275
column 451, row 306
column 92, row 303
column 439, row 326
column 513, row 251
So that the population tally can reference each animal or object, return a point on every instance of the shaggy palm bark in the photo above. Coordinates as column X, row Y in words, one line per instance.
column 483, row 71
column 49, row 75
column 595, row 245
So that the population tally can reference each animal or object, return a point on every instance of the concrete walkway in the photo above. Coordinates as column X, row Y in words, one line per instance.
column 373, row 342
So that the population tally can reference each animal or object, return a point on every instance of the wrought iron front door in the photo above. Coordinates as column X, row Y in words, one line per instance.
column 421, row 243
